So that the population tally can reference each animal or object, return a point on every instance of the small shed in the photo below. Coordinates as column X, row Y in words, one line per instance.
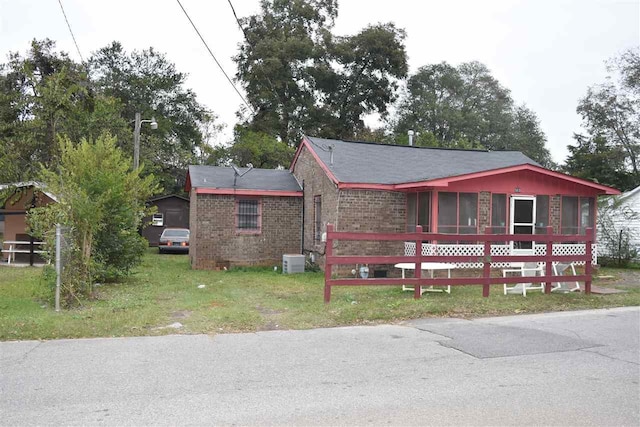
column 243, row 217
column 172, row 212
column 15, row 202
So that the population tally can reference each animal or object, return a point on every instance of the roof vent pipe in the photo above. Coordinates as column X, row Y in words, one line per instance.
column 411, row 133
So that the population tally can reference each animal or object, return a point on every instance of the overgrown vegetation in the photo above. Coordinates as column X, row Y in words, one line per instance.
column 165, row 290
column 101, row 202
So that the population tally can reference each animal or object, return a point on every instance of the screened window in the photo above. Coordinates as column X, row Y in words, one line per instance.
column 248, row 215
column 542, row 214
column 419, row 211
column 317, row 219
column 458, row 213
column 577, row 214
column 499, row 213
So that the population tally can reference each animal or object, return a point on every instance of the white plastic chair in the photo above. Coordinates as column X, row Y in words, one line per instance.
column 560, row 269
column 527, row 269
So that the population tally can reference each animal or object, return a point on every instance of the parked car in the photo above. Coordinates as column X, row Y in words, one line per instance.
column 174, row 240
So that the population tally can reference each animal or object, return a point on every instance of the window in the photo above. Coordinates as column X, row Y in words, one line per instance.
column 458, row 213
column 157, row 220
column 419, row 211
column 317, row 219
column 542, row 214
column 248, row 215
column 577, row 214
column 499, row 214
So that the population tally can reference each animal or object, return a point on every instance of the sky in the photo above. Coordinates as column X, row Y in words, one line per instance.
column 547, row 52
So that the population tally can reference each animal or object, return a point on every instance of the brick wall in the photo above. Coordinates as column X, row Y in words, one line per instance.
column 316, row 183
column 216, row 242
column 555, row 214
column 349, row 210
column 484, row 211
column 193, row 226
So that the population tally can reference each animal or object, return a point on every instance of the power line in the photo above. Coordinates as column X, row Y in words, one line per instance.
column 70, row 30
column 214, row 58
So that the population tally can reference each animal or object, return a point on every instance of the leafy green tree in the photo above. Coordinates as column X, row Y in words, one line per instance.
column 612, row 109
column 300, row 78
column 102, row 201
column 594, row 159
column 43, row 95
column 148, row 83
column 466, row 107
column 259, row 149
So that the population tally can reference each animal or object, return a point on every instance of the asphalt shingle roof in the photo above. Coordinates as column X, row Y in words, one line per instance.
column 361, row 162
column 256, row 179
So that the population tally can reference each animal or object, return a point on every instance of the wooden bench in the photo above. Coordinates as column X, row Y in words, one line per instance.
column 15, row 247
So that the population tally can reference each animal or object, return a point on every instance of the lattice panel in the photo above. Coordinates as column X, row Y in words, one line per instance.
column 430, row 249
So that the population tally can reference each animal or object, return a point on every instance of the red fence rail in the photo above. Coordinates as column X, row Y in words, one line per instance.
column 485, row 280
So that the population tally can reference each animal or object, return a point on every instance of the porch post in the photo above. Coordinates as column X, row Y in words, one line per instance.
column 417, row 289
column 486, row 267
column 548, row 259
column 328, row 253
column 587, row 264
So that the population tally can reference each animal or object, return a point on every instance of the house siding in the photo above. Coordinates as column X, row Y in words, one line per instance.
column 215, row 243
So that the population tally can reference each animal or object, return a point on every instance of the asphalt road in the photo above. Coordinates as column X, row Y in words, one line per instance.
column 575, row 368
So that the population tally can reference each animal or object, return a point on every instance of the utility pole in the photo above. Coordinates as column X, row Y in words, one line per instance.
column 136, row 142
column 136, row 137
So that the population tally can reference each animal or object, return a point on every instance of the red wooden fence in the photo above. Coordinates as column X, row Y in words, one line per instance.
column 485, row 280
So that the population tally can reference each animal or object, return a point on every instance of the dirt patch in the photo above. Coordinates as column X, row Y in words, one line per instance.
column 182, row 314
column 627, row 278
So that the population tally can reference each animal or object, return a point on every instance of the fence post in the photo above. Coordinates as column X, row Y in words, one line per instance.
column 328, row 252
column 58, row 269
column 417, row 289
column 587, row 264
column 548, row 259
column 486, row 266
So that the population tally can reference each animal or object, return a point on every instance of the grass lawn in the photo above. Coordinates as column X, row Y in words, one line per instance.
column 165, row 290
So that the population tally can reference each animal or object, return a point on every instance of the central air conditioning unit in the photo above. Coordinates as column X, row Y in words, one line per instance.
column 293, row 263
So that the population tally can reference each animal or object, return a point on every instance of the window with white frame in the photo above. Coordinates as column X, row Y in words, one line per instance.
column 157, row 220
column 248, row 215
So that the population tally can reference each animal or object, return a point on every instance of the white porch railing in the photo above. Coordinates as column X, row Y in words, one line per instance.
column 471, row 250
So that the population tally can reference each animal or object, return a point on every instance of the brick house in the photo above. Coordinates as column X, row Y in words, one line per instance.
column 361, row 186
column 249, row 217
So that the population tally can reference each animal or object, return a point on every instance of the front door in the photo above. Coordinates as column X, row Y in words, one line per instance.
column 523, row 221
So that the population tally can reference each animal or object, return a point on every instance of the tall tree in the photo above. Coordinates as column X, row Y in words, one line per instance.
column 148, row 83
column 45, row 94
column 466, row 106
column 594, row 159
column 612, row 109
column 259, row 149
column 300, row 78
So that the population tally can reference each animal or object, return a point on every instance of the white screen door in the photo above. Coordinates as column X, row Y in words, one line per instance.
column 523, row 221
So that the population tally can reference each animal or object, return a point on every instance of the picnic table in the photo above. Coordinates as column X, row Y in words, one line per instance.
column 431, row 267
column 17, row 247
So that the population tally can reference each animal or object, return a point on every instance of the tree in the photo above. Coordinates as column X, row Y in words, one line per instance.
column 466, row 107
column 43, row 95
column 102, row 201
column 596, row 160
column 259, row 149
column 612, row 109
column 300, row 78
column 148, row 83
